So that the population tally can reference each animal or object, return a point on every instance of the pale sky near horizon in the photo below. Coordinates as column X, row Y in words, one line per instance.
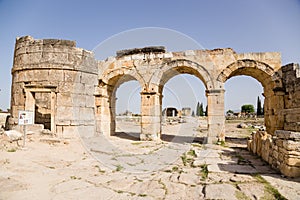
column 245, row 26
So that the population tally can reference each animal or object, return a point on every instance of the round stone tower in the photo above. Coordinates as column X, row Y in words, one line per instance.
column 56, row 81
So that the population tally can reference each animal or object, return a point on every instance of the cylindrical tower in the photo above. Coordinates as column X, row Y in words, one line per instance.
column 56, row 80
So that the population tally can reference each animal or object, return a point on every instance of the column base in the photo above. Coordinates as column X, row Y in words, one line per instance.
column 149, row 137
column 211, row 140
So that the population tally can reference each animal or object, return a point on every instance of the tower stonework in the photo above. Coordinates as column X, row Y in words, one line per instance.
column 56, row 80
column 71, row 92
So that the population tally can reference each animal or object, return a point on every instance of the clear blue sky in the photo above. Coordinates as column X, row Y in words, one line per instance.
column 245, row 26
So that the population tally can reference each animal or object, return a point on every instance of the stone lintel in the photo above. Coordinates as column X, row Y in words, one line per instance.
column 41, row 88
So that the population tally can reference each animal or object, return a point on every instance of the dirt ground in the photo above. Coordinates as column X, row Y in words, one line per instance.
column 122, row 167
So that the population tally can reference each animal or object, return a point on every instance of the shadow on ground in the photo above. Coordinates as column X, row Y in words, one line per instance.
column 134, row 136
column 236, row 141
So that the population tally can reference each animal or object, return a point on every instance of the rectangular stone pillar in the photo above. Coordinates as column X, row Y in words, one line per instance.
column 151, row 116
column 53, row 111
column 216, row 116
column 105, row 110
column 274, row 110
column 102, row 115
column 29, row 101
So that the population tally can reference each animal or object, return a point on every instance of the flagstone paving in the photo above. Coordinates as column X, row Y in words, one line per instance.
column 119, row 168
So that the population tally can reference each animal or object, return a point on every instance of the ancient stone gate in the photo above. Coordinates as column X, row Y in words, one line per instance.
column 71, row 92
column 80, row 91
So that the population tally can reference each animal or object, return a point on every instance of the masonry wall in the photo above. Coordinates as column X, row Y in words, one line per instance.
column 58, row 68
column 282, row 151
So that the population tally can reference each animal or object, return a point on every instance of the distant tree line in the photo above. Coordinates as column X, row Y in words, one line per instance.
column 249, row 109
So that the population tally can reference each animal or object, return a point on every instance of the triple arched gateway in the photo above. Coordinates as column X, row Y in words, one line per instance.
column 71, row 91
column 152, row 69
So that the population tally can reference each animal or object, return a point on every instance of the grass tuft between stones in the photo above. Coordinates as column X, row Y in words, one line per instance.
column 142, row 195
column 240, row 195
column 204, row 171
column 11, row 150
column 269, row 188
column 119, row 168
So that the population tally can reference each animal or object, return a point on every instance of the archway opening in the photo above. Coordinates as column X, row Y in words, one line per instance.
column 125, row 108
column 184, row 106
column 244, row 107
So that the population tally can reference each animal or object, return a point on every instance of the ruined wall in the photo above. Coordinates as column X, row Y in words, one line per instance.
column 291, row 83
column 282, row 151
column 66, row 73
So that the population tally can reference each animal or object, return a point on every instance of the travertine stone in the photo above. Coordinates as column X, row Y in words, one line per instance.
column 54, row 69
column 79, row 91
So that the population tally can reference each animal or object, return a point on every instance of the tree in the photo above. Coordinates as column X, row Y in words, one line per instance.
column 193, row 114
column 259, row 110
column 198, row 109
column 206, row 111
column 247, row 108
column 201, row 111
column 229, row 112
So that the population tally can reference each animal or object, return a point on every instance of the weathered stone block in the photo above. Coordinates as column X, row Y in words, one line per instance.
column 70, row 132
column 72, row 76
column 291, row 145
column 89, row 90
column 90, row 101
column 275, row 155
column 279, row 142
column 292, row 161
column 86, row 113
column 89, row 79
column 249, row 145
column 154, row 110
column 67, row 112
column 265, row 153
column 280, row 157
column 150, row 119
column 290, row 171
column 290, row 135
column 64, row 99
column 78, row 100
column 55, row 75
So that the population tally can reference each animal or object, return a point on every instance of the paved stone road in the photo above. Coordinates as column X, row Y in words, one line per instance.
column 122, row 168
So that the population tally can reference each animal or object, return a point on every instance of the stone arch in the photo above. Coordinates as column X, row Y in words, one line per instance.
column 181, row 66
column 172, row 68
column 112, row 77
column 115, row 82
column 256, row 69
column 266, row 75
column 106, row 101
